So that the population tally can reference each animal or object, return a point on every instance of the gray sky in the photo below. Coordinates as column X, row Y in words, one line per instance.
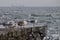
column 30, row 3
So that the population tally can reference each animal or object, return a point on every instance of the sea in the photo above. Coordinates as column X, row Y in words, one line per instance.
column 48, row 15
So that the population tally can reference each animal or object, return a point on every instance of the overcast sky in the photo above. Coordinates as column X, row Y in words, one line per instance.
column 30, row 3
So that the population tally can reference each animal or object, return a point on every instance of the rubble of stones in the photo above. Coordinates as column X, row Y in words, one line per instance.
column 34, row 33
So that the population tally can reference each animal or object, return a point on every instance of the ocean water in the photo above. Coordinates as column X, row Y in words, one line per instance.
column 49, row 15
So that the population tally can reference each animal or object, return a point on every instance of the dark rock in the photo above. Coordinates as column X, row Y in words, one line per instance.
column 33, row 33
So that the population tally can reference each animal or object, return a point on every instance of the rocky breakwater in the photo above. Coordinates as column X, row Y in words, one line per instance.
column 31, row 33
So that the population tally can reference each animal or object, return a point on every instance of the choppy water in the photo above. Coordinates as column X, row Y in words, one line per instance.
column 49, row 15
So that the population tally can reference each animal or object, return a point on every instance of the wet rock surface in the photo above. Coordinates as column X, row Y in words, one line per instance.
column 34, row 33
